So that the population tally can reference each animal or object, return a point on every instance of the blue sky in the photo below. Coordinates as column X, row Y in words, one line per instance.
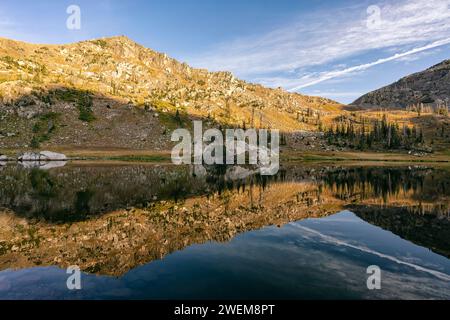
column 339, row 49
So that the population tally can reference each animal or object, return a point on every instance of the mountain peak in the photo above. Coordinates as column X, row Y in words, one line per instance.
column 430, row 86
column 39, row 79
column 119, row 38
column 443, row 64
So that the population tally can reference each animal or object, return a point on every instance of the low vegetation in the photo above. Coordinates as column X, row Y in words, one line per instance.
column 43, row 128
column 82, row 99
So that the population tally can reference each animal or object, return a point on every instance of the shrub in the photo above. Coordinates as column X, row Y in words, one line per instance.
column 83, row 99
column 85, row 107
column 34, row 143
column 101, row 43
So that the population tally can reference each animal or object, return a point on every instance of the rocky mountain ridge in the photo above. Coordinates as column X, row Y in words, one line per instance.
column 115, row 92
column 431, row 86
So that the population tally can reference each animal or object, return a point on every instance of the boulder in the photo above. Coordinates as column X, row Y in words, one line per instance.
column 52, row 156
column 42, row 156
column 238, row 173
column 29, row 156
column 3, row 160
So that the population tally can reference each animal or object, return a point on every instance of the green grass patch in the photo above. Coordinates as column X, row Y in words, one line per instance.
column 43, row 128
column 318, row 158
column 101, row 43
column 85, row 106
column 83, row 100
column 10, row 61
column 145, row 158
column 174, row 121
column 164, row 106
column 172, row 117
column 67, row 95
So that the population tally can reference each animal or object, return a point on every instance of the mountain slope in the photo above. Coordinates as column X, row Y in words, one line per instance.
column 431, row 86
column 115, row 93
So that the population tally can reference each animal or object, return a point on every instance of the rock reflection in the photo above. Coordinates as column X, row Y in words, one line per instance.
column 110, row 219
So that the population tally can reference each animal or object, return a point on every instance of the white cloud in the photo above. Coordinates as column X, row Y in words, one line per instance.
column 5, row 23
column 335, row 241
column 336, row 94
column 418, row 56
column 323, row 38
column 334, row 74
column 8, row 27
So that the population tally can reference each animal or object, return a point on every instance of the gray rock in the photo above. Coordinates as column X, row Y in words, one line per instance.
column 42, row 156
column 43, row 165
column 29, row 156
column 3, row 160
column 238, row 173
column 53, row 156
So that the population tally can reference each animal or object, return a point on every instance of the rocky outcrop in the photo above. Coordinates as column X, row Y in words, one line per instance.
column 53, row 156
column 44, row 160
column 431, row 86
column 29, row 156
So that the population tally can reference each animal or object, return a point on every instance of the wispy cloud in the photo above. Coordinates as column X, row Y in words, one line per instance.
column 335, row 241
column 5, row 22
column 285, row 57
column 335, row 94
column 8, row 27
column 334, row 74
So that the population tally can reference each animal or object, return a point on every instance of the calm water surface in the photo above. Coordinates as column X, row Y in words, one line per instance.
column 164, row 232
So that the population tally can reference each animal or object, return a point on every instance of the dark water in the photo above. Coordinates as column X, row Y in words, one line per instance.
column 165, row 232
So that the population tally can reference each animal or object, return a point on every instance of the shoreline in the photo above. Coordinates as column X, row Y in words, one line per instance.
column 286, row 156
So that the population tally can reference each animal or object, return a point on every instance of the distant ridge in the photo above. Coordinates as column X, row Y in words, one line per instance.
column 431, row 86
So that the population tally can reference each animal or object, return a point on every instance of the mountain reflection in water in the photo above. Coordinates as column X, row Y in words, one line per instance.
column 111, row 219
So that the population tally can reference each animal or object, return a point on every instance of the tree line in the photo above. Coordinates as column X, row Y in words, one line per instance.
column 379, row 134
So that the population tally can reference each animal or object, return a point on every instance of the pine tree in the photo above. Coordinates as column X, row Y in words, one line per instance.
column 421, row 138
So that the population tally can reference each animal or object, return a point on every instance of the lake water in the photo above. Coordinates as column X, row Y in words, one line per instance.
column 144, row 231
